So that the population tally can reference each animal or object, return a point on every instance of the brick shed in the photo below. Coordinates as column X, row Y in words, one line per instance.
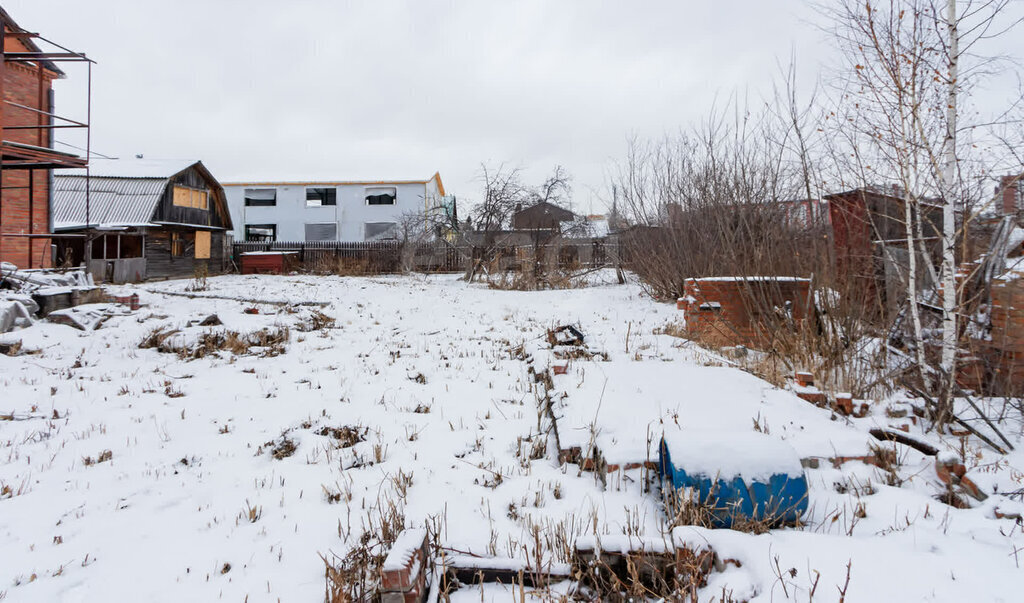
column 730, row 310
column 868, row 226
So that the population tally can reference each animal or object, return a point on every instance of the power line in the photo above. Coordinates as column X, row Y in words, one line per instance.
column 80, row 148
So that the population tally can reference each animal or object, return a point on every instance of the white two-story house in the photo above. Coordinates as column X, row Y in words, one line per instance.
column 329, row 211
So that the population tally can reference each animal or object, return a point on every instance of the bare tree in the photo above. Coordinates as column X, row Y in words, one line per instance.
column 435, row 232
column 503, row 192
column 556, row 189
column 718, row 201
column 899, row 111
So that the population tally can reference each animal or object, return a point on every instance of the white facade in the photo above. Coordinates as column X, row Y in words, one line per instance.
column 295, row 211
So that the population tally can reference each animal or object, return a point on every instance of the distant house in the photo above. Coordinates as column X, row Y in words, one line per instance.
column 26, row 123
column 543, row 228
column 330, row 210
column 151, row 219
column 542, row 216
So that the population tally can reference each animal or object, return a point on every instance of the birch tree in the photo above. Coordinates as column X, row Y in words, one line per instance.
column 900, row 109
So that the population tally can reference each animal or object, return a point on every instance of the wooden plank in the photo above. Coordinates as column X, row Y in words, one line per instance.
column 202, row 244
column 182, row 197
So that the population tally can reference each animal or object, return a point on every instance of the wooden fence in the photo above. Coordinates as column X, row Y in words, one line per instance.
column 439, row 256
column 373, row 256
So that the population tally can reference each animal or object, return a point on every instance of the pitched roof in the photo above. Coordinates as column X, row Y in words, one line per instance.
column 122, row 192
column 545, row 208
column 112, row 201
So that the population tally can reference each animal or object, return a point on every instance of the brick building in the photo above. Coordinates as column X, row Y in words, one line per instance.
column 869, row 239
column 27, row 123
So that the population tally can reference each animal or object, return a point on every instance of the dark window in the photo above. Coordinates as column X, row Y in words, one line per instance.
column 315, row 197
column 99, row 247
column 131, row 247
column 381, row 196
column 261, row 232
column 261, row 197
column 322, row 232
column 177, row 244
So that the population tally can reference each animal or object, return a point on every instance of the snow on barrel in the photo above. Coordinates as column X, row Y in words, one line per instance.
column 735, row 476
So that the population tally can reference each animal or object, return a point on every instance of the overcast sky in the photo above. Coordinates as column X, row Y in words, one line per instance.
column 290, row 90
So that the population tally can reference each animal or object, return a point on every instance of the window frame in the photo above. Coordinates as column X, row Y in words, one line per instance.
column 305, row 231
column 273, row 235
column 380, row 191
column 392, row 226
column 187, row 196
column 259, row 202
column 177, row 242
column 329, row 197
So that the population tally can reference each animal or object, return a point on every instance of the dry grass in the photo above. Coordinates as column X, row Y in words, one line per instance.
column 346, row 435
column 684, row 508
column 282, row 448
column 103, row 457
column 375, row 263
column 317, row 321
column 355, row 576
column 268, row 342
column 199, row 280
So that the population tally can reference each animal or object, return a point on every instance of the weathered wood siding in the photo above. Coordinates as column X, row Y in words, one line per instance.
column 161, row 264
column 167, row 211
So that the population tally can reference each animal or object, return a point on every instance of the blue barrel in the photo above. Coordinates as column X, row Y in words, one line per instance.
column 735, row 475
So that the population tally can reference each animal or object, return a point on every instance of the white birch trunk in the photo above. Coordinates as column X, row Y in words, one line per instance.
column 915, row 311
column 948, row 180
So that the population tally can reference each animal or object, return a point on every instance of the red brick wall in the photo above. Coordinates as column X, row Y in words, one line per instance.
column 851, row 232
column 721, row 312
column 1003, row 354
column 1008, row 189
column 21, row 85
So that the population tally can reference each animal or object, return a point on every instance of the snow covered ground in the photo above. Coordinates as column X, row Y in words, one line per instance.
column 135, row 474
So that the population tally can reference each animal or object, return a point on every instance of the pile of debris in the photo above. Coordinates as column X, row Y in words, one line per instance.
column 27, row 294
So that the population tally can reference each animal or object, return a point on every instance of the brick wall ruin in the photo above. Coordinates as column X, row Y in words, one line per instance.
column 726, row 311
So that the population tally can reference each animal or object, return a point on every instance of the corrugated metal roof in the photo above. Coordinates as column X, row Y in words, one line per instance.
column 112, row 201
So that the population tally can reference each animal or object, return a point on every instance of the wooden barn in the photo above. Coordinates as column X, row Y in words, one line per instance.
column 145, row 219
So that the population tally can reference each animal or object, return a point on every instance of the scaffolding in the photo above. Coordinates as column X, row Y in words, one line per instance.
column 34, row 151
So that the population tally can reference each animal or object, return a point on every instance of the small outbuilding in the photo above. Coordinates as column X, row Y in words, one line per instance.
column 145, row 219
column 542, row 216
